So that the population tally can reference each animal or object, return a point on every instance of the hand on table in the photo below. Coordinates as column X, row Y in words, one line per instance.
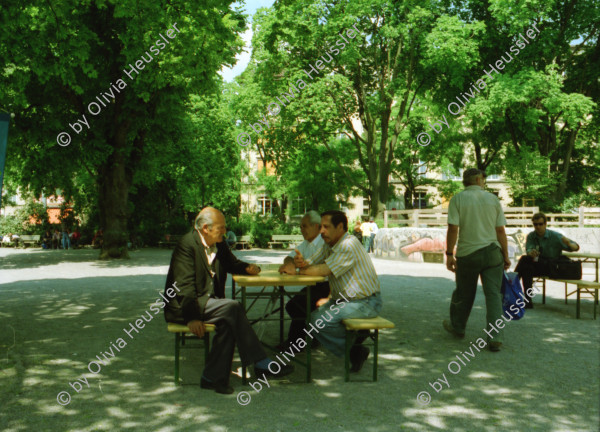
column 197, row 327
column 533, row 253
column 299, row 260
column 287, row 268
column 253, row 269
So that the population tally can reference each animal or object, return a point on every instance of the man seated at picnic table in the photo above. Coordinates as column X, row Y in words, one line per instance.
column 198, row 271
column 355, row 290
column 310, row 226
column 541, row 246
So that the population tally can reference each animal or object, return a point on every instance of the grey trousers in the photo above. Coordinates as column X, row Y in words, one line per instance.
column 233, row 328
column 488, row 263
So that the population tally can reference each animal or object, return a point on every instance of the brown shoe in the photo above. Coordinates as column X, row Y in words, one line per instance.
column 448, row 327
column 495, row 346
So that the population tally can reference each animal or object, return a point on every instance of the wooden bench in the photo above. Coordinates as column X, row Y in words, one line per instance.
column 170, row 240
column 244, row 242
column 180, row 331
column 280, row 239
column 30, row 239
column 354, row 325
column 588, row 287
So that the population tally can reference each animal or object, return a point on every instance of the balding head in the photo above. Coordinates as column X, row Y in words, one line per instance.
column 208, row 216
column 210, row 223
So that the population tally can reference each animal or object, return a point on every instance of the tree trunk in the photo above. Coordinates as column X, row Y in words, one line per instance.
column 114, row 194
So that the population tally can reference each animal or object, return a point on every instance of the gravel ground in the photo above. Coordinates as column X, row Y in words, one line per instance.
column 60, row 309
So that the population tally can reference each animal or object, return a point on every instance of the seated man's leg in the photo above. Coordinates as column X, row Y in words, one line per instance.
column 527, row 269
column 233, row 328
column 296, row 308
column 330, row 331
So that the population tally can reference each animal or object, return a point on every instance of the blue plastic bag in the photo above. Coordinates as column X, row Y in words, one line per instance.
column 513, row 300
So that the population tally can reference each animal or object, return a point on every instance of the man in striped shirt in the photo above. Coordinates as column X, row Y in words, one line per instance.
column 355, row 291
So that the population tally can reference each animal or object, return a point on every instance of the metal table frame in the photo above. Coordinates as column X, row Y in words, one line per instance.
column 278, row 282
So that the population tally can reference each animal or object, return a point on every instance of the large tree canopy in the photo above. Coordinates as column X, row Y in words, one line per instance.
column 119, row 77
column 408, row 61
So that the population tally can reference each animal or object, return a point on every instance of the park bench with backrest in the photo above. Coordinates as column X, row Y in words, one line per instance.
column 170, row 240
column 30, row 239
column 280, row 239
column 243, row 241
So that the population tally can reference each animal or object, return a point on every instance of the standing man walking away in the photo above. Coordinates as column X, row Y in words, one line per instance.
column 475, row 217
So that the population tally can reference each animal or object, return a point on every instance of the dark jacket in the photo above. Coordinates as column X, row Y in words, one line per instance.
column 190, row 271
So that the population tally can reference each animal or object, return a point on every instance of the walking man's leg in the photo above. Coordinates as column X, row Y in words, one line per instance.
column 467, row 274
column 491, row 279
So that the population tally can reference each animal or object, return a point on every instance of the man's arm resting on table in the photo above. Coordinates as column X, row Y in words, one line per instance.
column 316, row 270
column 570, row 244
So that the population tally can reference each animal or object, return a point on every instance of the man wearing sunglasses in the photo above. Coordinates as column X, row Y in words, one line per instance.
column 542, row 245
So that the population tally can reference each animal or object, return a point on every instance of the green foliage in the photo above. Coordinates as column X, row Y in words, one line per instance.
column 448, row 188
column 260, row 228
column 31, row 218
column 157, row 130
column 530, row 177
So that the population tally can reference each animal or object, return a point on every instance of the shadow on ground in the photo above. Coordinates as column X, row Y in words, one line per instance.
column 52, row 328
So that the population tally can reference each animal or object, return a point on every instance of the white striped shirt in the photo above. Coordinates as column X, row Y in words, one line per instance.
column 352, row 268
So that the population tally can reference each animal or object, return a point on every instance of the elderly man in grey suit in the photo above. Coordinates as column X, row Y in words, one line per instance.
column 198, row 271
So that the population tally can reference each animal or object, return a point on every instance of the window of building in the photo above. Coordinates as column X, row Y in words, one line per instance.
column 448, row 176
column 366, row 207
column 298, row 206
column 422, row 169
column 264, row 205
column 420, row 200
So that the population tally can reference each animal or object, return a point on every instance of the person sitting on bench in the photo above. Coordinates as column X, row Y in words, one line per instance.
column 310, row 226
column 541, row 246
column 355, row 289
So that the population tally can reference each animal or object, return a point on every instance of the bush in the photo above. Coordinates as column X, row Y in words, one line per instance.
column 260, row 228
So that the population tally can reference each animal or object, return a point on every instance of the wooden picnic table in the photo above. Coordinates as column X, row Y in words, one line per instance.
column 270, row 277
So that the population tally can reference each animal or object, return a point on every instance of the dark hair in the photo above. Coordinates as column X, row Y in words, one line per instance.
column 470, row 176
column 539, row 216
column 337, row 217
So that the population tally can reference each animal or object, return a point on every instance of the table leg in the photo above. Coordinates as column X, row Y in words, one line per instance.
column 544, row 291
column 244, row 308
column 233, row 289
column 308, row 339
column 281, row 316
column 578, row 299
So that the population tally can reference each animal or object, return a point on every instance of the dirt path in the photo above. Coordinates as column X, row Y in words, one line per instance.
column 61, row 309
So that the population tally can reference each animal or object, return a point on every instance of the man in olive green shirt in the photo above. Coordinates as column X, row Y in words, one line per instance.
column 476, row 218
column 542, row 245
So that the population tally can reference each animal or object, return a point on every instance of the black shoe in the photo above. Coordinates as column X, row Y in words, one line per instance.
column 358, row 356
column 495, row 346
column 448, row 327
column 218, row 386
column 529, row 305
column 285, row 370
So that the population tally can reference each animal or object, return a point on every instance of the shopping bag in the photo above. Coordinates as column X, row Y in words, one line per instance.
column 513, row 301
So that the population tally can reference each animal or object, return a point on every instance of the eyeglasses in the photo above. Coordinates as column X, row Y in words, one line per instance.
column 539, row 223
